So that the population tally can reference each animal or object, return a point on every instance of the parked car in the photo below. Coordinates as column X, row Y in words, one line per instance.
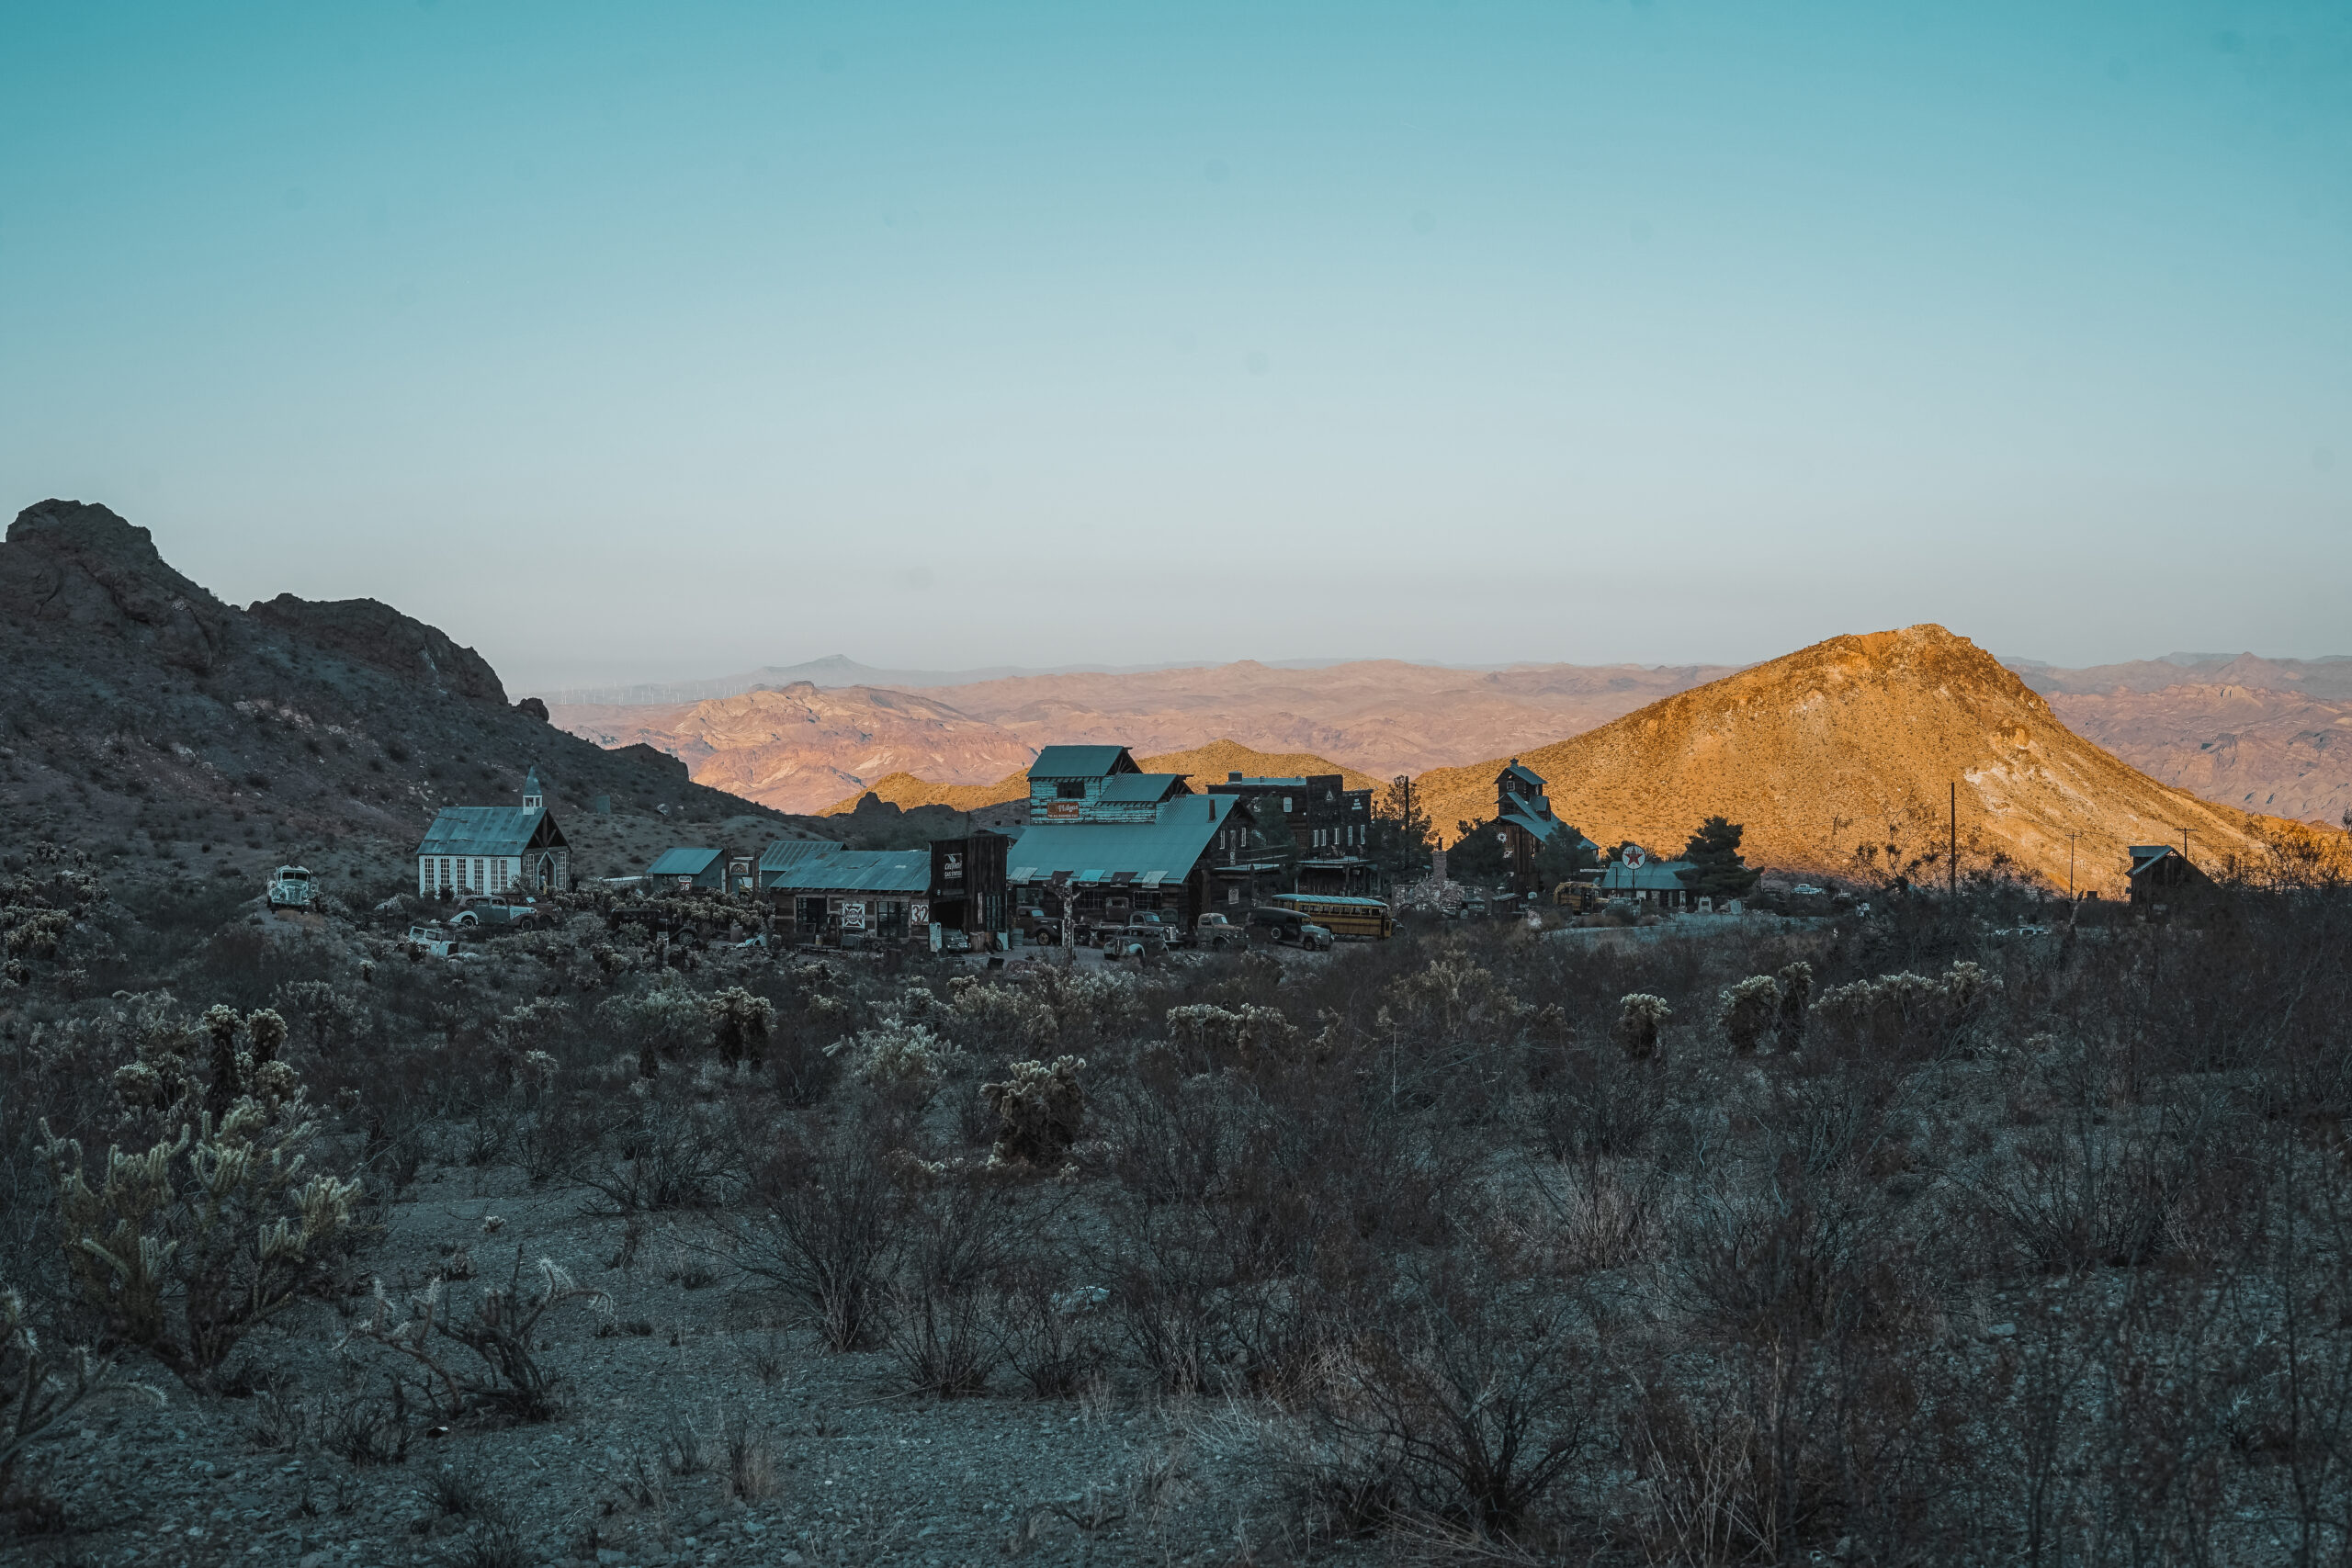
column 1216, row 932
column 1144, row 932
column 1286, row 928
column 433, row 941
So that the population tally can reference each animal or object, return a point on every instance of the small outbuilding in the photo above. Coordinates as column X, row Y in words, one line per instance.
column 2162, row 873
column 684, row 867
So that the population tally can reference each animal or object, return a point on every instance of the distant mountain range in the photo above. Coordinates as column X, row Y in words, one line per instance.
column 2265, row 735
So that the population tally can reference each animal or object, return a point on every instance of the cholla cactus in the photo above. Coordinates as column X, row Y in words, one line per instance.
column 740, row 1022
column 1242, row 1033
column 1749, row 1010
column 895, row 1055
column 1000, row 1016
column 1796, row 995
column 1043, row 1109
column 218, row 1227
column 1639, row 1018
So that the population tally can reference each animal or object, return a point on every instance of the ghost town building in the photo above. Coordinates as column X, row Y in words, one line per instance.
column 495, row 849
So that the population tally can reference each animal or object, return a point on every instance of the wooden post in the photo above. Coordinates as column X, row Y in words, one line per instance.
column 1952, row 859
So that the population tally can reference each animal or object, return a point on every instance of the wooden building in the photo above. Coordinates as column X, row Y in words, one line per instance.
column 495, row 849
column 685, row 868
column 1196, row 853
column 1330, row 828
column 1526, row 823
column 850, row 898
column 968, row 884
column 2162, row 874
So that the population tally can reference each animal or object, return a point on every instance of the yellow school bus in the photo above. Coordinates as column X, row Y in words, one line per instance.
column 1366, row 917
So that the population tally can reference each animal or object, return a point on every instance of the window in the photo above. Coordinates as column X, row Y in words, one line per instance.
column 1070, row 789
column 1285, row 803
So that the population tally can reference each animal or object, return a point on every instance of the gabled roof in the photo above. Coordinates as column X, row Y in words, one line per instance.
column 1143, row 789
column 1081, row 763
column 2143, row 856
column 1525, row 774
column 784, row 852
column 1652, row 876
column 1540, row 828
column 1162, row 852
column 856, row 871
column 490, row 830
column 683, row 859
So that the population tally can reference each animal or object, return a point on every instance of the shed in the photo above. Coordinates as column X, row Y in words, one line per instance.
column 1646, row 881
column 850, row 897
column 2161, row 872
column 683, row 866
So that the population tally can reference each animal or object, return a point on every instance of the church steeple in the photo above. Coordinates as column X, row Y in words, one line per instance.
column 534, row 797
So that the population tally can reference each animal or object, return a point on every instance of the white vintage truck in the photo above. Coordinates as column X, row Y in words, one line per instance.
column 290, row 888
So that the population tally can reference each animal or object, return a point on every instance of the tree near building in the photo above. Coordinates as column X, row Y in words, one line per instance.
column 1717, row 870
column 1475, row 854
column 1565, row 854
column 1402, row 834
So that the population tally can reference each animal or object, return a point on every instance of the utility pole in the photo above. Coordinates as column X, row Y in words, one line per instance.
column 2070, row 865
column 1954, row 858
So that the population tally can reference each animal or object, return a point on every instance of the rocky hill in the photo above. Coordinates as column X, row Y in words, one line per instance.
column 801, row 746
column 2280, row 751
column 1206, row 765
column 149, row 723
column 1837, row 758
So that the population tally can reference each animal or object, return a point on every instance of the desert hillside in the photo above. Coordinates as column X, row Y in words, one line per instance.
column 798, row 747
column 1206, row 765
column 1839, row 756
column 152, row 724
column 2281, row 752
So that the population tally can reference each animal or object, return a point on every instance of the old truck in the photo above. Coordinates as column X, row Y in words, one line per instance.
column 290, row 888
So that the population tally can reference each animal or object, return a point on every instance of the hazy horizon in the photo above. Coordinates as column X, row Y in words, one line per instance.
column 625, row 345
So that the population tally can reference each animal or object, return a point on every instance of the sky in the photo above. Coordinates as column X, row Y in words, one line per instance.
column 649, row 342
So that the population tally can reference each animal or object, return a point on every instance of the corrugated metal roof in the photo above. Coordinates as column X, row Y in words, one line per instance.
column 783, row 851
column 1537, row 825
column 485, row 830
column 1143, row 789
column 1653, row 877
column 1080, row 762
column 1168, row 844
column 1525, row 774
column 683, row 859
column 1259, row 783
column 857, row 870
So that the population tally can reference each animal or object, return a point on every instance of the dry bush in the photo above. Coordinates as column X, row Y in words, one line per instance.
column 670, row 1157
column 1796, row 1001
column 499, row 1326
column 38, row 1388
column 832, row 1228
column 1469, row 1409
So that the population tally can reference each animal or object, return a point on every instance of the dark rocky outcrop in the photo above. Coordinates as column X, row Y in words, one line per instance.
column 375, row 633
column 84, row 567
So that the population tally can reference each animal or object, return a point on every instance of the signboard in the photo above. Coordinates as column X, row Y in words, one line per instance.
column 1065, row 810
column 951, row 865
column 1635, row 857
column 919, row 912
column 853, row 916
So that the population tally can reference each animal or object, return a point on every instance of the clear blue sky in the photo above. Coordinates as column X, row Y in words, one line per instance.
column 661, row 340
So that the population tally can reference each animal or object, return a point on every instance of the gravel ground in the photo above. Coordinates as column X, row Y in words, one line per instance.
column 846, row 1468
